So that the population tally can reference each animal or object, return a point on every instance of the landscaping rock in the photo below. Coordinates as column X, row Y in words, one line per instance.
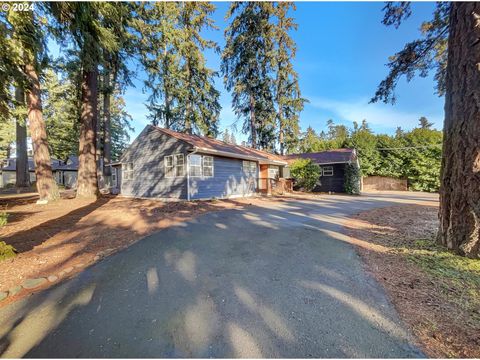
column 69, row 269
column 96, row 258
column 42, row 202
column 33, row 283
column 3, row 295
column 52, row 278
column 61, row 273
column 14, row 290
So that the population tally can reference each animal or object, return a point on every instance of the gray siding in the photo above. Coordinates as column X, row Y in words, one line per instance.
column 228, row 180
column 147, row 155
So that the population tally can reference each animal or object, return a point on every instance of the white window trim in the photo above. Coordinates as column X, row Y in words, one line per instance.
column 201, row 166
column 174, row 165
column 127, row 174
column 210, row 166
column 330, row 172
column 191, row 166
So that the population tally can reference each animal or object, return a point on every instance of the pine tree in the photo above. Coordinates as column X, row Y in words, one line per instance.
column 61, row 114
column 28, row 33
column 247, row 63
column 424, row 123
column 288, row 99
column 226, row 136
column 183, row 96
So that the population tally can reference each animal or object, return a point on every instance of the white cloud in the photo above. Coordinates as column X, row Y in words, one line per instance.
column 378, row 114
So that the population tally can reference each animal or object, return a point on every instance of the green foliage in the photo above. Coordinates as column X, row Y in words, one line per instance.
column 6, row 251
column 61, row 114
column 415, row 155
column 3, row 218
column 171, row 50
column 306, row 173
column 120, row 126
column 352, row 179
column 247, row 62
column 419, row 56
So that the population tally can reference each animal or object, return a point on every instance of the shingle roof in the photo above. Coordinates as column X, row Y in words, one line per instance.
column 326, row 157
column 210, row 144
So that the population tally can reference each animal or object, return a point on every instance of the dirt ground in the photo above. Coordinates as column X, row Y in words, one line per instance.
column 390, row 240
column 54, row 238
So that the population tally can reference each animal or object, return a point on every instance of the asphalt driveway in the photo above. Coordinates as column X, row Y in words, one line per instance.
column 271, row 281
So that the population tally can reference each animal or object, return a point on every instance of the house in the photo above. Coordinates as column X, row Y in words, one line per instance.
column 65, row 172
column 332, row 167
column 162, row 163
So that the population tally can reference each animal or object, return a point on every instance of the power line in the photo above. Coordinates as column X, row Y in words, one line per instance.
column 411, row 147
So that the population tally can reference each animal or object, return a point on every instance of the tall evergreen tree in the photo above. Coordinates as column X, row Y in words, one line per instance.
column 29, row 34
column 183, row 96
column 288, row 98
column 450, row 47
column 61, row 113
column 21, row 169
column 247, row 63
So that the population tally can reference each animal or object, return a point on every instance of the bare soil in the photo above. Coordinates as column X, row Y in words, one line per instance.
column 442, row 313
column 71, row 232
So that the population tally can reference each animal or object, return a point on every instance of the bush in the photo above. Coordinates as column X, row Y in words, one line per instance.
column 305, row 173
column 352, row 179
column 6, row 251
column 3, row 218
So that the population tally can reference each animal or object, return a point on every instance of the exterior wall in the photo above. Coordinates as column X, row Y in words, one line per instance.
column 70, row 179
column 335, row 183
column 384, row 183
column 147, row 156
column 228, row 180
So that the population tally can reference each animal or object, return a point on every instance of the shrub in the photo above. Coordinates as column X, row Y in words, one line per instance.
column 3, row 218
column 305, row 173
column 6, row 251
column 352, row 179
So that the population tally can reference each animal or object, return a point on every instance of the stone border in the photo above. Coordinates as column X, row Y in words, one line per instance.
column 33, row 283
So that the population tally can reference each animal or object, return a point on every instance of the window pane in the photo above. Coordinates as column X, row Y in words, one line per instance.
column 195, row 170
column 180, row 170
column 168, row 160
column 179, row 159
column 195, row 160
column 327, row 171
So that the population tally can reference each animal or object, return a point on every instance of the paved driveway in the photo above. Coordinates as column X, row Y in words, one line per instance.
column 272, row 281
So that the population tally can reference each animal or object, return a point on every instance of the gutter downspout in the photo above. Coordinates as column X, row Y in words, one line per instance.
column 188, row 171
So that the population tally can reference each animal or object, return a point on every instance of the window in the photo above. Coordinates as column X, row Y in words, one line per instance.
column 273, row 172
column 174, row 165
column 327, row 171
column 179, row 165
column 207, row 166
column 200, row 166
column 195, row 165
column 128, row 171
column 114, row 176
column 250, row 168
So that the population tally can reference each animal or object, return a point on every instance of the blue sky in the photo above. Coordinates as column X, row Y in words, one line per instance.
column 341, row 56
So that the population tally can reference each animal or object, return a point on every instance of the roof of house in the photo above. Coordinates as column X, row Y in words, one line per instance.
column 71, row 164
column 327, row 157
column 214, row 146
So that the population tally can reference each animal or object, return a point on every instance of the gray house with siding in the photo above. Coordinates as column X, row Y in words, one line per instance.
column 165, row 164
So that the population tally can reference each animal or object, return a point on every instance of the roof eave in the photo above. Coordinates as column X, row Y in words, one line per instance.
column 238, row 156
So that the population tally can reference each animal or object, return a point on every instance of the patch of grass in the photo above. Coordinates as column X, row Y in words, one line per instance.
column 458, row 276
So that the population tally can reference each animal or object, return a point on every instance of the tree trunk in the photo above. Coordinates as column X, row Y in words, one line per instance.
column 281, row 137
column 107, row 119
column 460, row 175
column 87, row 167
column 22, row 176
column 253, row 128
column 46, row 185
